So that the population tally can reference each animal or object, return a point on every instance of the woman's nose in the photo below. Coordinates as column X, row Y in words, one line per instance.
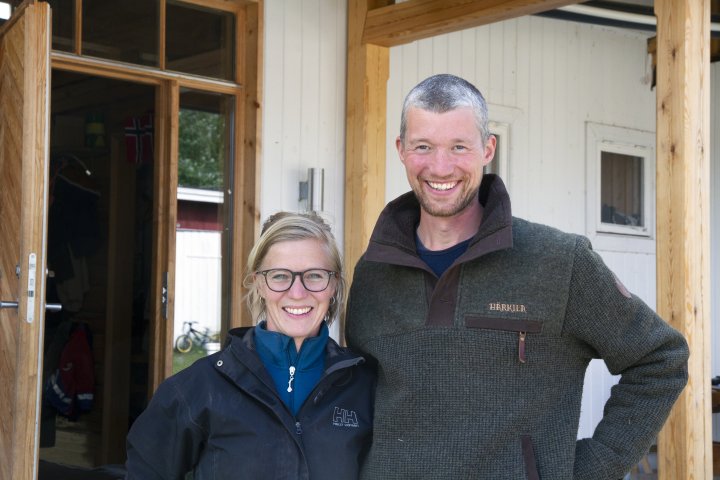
column 297, row 289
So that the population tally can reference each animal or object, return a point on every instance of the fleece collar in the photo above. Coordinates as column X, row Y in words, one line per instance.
column 393, row 239
column 279, row 349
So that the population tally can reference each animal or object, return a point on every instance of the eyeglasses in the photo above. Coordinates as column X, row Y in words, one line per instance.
column 281, row 279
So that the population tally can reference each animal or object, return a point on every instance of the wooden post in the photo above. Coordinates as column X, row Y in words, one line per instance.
column 367, row 75
column 683, row 216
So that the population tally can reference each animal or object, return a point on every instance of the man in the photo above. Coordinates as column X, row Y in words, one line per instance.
column 483, row 324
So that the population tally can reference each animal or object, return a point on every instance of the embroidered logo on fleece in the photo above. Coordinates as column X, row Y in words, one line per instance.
column 507, row 307
column 344, row 418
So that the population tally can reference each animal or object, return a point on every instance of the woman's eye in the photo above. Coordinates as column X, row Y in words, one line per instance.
column 279, row 277
column 313, row 276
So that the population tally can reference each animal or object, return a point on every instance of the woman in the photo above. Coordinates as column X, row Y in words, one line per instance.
column 282, row 400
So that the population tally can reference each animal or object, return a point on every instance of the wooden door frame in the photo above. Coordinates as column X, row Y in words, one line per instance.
column 246, row 216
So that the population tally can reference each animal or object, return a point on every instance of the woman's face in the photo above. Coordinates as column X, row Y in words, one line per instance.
column 296, row 312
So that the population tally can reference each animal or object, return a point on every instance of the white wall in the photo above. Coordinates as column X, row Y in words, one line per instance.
column 197, row 280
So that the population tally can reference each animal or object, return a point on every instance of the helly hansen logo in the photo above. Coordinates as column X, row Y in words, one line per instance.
column 344, row 418
column 507, row 307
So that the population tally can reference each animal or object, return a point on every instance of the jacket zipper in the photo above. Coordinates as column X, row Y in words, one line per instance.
column 298, row 428
column 521, row 346
column 292, row 377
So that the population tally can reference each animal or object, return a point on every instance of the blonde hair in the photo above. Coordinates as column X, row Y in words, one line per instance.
column 288, row 226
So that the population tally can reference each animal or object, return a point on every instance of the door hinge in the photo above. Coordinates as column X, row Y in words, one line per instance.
column 164, row 296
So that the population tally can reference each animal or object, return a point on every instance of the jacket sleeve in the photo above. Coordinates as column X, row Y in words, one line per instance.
column 164, row 442
column 649, row 355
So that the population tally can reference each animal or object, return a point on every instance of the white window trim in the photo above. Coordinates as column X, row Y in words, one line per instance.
column 626, row 141
column 501, row 120
column 502, row 130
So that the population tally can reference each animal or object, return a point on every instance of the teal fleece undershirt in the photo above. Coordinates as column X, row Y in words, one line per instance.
column 277, row 352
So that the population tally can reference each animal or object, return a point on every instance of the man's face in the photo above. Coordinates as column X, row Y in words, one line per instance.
column 444, row 157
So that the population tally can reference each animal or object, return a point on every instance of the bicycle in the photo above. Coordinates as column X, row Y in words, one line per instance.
column 192, row 336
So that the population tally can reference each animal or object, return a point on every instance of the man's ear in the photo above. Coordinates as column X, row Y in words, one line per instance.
column 399, row 146
column 489, row 150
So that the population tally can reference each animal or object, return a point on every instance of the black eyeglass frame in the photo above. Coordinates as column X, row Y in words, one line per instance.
column 330, row 273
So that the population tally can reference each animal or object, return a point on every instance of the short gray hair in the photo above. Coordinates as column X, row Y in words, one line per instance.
column 443, row 93
column 288, row 226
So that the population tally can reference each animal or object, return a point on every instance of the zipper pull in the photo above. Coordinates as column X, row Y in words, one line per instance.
column 298, row 428
column 292, row 377
column 521, row 347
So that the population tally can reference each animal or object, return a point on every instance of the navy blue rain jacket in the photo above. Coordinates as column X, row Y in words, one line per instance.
column 222, row 419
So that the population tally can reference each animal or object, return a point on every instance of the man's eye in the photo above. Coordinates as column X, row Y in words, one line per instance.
column 422, row 148
column 460, row 147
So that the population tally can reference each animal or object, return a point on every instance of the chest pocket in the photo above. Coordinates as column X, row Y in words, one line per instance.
column 521, row 326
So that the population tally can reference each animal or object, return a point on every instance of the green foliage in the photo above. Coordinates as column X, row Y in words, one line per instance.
column 201, row 150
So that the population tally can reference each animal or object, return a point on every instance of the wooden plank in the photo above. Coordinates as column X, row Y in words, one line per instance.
column 138, row 74
column 164, row 221
column 683, row 216
column 406, row 22
column 367, row 75
column 247, row 158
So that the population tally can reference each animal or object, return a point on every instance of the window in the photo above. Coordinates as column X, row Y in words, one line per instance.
column 621, row 186
column 621, row 191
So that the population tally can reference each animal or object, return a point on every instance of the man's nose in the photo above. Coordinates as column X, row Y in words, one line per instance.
column 441, row 163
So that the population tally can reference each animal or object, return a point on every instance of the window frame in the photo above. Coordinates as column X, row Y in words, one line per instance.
column 624, row 141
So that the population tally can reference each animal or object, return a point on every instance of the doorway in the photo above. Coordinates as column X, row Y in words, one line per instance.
column 100, row 237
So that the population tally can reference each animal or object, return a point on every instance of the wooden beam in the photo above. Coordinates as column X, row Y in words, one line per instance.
column 683, row 216
column 246, row 223
column 367, row 75
column 417, row 19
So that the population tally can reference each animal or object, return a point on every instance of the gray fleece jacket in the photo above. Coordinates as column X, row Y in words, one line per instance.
column 481, row 370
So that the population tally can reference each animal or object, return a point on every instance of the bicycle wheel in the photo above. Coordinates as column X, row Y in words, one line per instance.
column 183, row 344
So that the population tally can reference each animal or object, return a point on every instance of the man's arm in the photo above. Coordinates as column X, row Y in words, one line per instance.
column 634, row 342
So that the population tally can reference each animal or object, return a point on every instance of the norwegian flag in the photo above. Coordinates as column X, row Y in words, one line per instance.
column 139, row 139
column 133, row 140
column 148, row 125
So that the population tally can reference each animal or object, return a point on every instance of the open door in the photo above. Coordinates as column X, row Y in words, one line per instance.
column 24, row 93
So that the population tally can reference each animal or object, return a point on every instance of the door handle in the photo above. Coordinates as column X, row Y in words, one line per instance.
column 51, row 307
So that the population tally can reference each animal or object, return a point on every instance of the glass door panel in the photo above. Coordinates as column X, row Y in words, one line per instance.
column 203, row 224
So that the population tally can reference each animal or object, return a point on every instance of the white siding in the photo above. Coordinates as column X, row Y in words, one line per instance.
column 198, row 280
